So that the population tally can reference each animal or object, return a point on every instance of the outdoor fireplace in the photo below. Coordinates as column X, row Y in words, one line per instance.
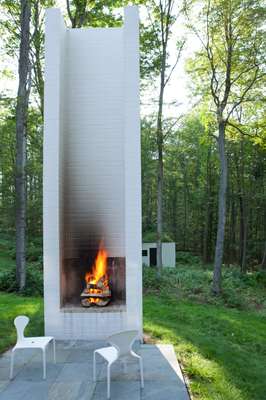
column 92, row 185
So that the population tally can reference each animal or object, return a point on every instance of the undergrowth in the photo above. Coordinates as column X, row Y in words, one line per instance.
column 193, row 282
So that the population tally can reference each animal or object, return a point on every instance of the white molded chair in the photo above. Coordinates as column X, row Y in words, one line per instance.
column 121, row 348
column 29, row 343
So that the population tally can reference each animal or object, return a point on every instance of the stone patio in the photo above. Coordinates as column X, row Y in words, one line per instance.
column 71, row 377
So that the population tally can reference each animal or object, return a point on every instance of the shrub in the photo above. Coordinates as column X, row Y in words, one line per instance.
column 194, row 282
column 34, row 284
column 183, row 257
column 151, row 237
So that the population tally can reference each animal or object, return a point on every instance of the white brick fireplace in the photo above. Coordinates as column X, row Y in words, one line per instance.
column 92, row 185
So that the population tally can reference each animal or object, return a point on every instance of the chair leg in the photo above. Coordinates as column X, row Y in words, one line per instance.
column 140, row 367
column 12, row 364
column 141, row 372
column 108, row 381
column 54, row 351
column 94, row 366
column 44, row 362
column 125, row 366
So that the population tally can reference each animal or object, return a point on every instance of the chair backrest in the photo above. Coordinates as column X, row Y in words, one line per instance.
column 123, row 341
column 20, row 323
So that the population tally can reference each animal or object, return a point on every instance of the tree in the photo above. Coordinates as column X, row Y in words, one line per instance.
column 95, row 13
column 230, row 64
column 162, row 15
column 21, row 131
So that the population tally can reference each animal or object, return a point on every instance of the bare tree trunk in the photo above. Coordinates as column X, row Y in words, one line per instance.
column 37, row 48
column 263, row 263
column 206, row 235
column 217, row 274
column 244, row 245
column 160, row 174
column 232, row 231
column 21, row 121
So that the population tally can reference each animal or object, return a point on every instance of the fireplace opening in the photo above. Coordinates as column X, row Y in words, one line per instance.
column 97, row 291
column 93, row 282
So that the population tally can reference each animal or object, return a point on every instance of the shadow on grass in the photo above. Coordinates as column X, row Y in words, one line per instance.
column 223, row 350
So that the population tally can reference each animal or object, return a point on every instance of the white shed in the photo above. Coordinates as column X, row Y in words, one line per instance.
column 149, row 254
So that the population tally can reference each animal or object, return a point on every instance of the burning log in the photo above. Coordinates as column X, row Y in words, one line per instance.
column 98, row 294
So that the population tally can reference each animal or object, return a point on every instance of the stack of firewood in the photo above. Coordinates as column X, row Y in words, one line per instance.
column 98, row 294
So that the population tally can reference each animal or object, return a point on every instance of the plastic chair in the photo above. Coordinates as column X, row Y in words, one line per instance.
column 23, row 342
column 122, row 343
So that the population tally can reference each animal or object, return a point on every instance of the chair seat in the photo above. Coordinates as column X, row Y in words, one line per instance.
column 110, row 353
column 34, row 342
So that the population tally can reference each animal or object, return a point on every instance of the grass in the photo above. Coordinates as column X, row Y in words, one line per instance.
column 12, row 305
column 223, row 352
column 221, row 343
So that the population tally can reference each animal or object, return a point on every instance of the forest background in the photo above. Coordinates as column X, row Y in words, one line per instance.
column 203, row 142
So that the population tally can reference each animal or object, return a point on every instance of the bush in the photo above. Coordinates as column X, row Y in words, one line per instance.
column 183, row 257
column 151, row 237
column 194, row 282
column 34, row 285
column 34, row 250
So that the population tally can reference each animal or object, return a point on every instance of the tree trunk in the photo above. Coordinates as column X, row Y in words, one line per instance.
column 233, row 231
column 159, row 210
column 244, row 245
column 206, row 236
column 217, row 274
column 37, row 64
column 159, row 134
column 21, row 120
column 263, row 263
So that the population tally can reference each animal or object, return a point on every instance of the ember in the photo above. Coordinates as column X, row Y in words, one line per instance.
column 97, row 291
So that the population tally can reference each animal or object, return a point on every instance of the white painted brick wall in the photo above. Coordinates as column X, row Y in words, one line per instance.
column 92, row 138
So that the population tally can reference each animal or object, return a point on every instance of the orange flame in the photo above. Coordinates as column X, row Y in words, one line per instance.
column 99, row 268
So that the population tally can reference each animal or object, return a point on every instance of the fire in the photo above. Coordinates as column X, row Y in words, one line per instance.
column 99, row 268
column 97, row 289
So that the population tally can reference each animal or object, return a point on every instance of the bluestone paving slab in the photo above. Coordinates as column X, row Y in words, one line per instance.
column 120, row 390
column 64, row 391
column 80, row 356
column 163, row 390
column 71, row 377
column 75, row 372
column 61, row 356
column 25, row 390
column 34, row 372
column 121, row 371
column 3, row 385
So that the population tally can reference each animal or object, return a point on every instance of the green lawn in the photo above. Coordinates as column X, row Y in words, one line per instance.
column 12, row 305
column 221, row 342
column 223, row 351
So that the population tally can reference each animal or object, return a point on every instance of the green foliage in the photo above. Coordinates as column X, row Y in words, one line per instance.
column 150, row 237
column 12, row 305
column 193, row 282
column 34, row 286
column 191, row 181
column 184, row 257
